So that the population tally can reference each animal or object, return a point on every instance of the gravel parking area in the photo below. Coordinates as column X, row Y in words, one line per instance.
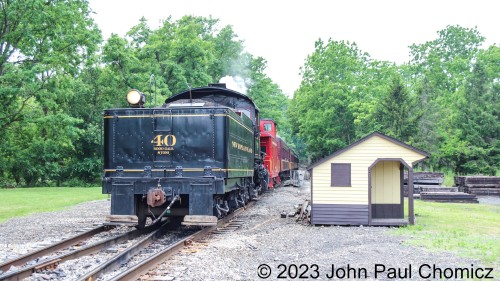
column 265, row 245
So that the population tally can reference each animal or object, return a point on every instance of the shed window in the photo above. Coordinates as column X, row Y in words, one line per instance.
column 341, row 174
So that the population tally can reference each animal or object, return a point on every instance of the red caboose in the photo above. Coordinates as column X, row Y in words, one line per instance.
column 269, row 145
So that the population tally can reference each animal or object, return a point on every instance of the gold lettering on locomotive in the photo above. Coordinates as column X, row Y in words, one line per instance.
column 241, row 147
column 163, row 144
column 168, row 140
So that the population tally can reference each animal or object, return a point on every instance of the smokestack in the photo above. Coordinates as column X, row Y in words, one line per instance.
column 218, row 85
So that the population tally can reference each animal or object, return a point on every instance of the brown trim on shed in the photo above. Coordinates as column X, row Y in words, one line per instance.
column 410, row 188
column 370, row 195
column 339, row 214
column 411, row 213
column 340, row 174
column 402, row 181
column 388, row 211
column 312, row 189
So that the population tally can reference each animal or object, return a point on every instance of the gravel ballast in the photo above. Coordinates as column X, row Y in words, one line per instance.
column 25, row 234
column 265, row 245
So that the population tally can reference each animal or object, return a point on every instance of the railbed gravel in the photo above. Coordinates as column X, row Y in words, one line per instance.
column 21, row 235
column 263, row 238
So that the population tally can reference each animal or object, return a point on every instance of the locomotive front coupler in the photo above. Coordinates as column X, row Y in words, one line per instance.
column 157, row 196
column 167, row 210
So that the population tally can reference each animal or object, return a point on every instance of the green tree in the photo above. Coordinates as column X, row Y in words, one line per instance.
column 446, row 61
column 87, row 104
column 397, row 113
column 229, row 55
column 372, row 87
column 190, row 51
column 267, row 95
column 479, row 117
column 43, row 46
column 440, row 68
column 124, row 70
column 321, row 111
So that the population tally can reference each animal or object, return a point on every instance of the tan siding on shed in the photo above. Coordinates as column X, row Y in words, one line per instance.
column 360, row 156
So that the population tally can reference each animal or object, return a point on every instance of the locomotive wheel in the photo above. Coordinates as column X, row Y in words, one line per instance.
column 141, row 223
column 247, row 195
column 142, row 215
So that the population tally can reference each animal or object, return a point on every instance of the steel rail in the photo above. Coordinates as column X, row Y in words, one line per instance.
column 51, row 248
column 26, row 272
column 142, row 268
column 124, row 256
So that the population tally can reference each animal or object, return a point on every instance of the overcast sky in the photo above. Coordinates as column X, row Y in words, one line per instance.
column 284, row 32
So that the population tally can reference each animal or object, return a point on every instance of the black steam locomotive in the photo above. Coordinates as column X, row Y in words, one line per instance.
column 197, row 157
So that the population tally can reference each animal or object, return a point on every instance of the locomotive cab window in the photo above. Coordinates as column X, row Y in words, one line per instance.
column 246, row 112
column 268, row 127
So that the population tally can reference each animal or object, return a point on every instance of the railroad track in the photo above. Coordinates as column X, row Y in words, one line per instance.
column 27, row 270
column 147, row 265
column 52, row 248
column 150, row 235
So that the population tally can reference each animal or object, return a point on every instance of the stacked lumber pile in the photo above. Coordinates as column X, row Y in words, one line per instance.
column 427, row 182
column 479, row 185
column 429, row 187
column 452, row 197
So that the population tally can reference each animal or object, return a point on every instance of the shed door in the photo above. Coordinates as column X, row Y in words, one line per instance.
column 386, row 197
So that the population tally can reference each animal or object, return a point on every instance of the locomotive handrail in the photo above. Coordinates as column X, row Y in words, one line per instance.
column 150, row 78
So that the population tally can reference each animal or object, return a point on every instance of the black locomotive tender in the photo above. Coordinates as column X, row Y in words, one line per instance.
column 197, row 157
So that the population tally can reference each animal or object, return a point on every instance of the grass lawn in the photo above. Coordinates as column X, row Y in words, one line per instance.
column 24, row 201
column 470, row 230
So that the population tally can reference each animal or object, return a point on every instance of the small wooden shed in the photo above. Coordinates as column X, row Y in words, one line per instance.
column 362, row 184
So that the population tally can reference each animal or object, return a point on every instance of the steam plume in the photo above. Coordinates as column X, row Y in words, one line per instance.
column 236, row 83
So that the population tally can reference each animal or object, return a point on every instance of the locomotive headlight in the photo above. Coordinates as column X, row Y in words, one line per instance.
column 136, row 98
